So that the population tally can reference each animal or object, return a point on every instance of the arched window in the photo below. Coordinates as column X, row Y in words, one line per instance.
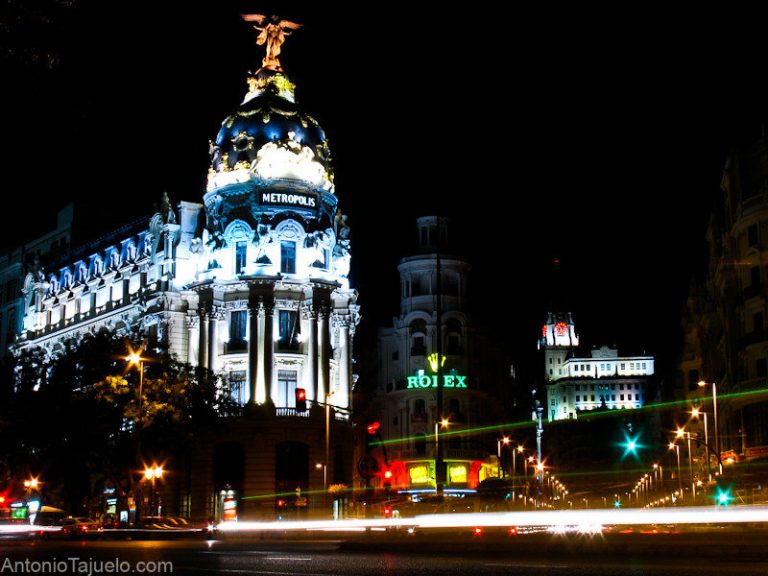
column 418, row 333
column 453, row 337
column 419, row 406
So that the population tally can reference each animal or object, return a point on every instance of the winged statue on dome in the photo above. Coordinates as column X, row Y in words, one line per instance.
column 272, row 31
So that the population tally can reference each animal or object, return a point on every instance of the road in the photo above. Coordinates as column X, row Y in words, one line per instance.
column 334, row 557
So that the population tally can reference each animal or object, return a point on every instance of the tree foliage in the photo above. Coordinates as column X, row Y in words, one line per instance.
column 77, row 420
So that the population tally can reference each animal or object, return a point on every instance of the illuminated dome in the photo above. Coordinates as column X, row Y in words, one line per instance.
column 270, row 142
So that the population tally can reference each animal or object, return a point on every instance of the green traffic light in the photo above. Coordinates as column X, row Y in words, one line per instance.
column 631, row 446
column 723, row 497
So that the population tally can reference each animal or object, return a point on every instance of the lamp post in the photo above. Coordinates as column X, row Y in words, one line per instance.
column 135, row 358
column 676, row 448
column 695, row 412
column 503, row 440
column 327, row 447
column 153, row 473
column 702, row 384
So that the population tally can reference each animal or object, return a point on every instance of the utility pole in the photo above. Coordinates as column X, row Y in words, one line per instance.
column 439, row 464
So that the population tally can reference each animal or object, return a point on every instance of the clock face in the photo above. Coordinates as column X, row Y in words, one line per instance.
column 561, row 329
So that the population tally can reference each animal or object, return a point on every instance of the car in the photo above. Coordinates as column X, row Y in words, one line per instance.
column 80, row 527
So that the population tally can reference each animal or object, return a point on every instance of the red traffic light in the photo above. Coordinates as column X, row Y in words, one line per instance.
column 373, row 427
column 301, row 394
column 280, row 503
column 2, row 499
column 388, row 474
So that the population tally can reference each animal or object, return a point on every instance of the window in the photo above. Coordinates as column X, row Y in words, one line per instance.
column 241, row 249
column 236, row 330
column 623, row 366
column 419, row 348
column 286, row 388
column 565, row 400
column 592, row 398
column 621, row 397
column 578, row 397
column 289, row 330
column 419, row 407
column 287, row 257
column 752, row 235
column 754, row 275
column 757, row 322
column 396, row 355
column 453, row 406
column 761, row 368
column 237, row 386
column 552, row 402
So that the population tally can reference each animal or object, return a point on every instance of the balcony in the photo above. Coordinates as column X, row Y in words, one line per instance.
column 291, row 413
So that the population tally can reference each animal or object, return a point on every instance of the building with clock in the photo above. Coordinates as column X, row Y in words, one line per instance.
column 602, row 380
column 251, row 280
column 406, row 396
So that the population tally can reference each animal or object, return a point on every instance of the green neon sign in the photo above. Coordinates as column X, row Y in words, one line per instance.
column 449, row 381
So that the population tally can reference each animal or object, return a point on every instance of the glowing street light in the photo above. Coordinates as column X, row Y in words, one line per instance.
column 703, row 384
column 503, row 440
column 134, row 358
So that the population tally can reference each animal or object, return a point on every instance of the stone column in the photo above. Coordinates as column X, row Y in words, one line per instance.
column 202, row 347
column 323, row 344
column 194, row 340
column 310, row 371
column 269, row 349
column 258, row 394
column 345, row 363
column 213, row 339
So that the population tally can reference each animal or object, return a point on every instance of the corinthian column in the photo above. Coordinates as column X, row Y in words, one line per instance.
column 323, row 343
column 213, row 340
column 269, row 349
column 310, row 373
column 257, row 395
column 202, row 348
column 194, row 339
column 345, row 363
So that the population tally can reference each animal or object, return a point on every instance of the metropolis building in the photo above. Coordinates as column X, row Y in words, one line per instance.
column 250, row 281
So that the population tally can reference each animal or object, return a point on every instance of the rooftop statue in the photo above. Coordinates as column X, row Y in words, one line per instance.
column 273, row 31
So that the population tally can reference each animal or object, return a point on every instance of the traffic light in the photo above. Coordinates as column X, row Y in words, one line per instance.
column 301, row 400
column 373, row 428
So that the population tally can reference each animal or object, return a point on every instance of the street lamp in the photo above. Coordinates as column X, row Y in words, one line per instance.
column 703, row 384
column 134, row 358
column 327, row 446
column 695, row 413
column 153, row 473
column 503, row 440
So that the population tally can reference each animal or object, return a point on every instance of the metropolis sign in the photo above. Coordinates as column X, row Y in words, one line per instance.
column 288, row 199
column 449, row 381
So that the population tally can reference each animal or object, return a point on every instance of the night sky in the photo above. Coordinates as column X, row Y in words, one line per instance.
column 596, row 138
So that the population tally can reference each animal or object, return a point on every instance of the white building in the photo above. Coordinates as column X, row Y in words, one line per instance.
column 602, row 381
column 251, row 281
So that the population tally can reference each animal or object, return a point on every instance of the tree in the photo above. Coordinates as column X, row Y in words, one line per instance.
column 75, row 419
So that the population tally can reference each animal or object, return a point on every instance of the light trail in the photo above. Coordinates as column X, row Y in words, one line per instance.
column 547, row 518
column 587, row 415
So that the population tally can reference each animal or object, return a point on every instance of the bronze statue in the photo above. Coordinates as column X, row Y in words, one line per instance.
column 273, row 31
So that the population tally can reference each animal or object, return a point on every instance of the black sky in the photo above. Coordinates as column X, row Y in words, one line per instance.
column 594, row 136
